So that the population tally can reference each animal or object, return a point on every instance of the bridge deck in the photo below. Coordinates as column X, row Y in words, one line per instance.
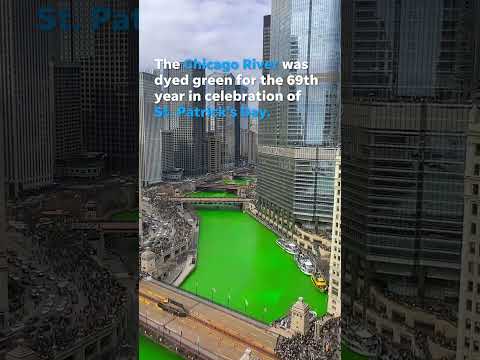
column 218, row 331
column 210, row 200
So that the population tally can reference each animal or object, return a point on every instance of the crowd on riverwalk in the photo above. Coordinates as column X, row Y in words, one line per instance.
column 321, row 342
column 168, row 231
column 62, row 294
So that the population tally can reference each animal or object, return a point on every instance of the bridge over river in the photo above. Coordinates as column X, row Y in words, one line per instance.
column 210, row 200
column 209, row 331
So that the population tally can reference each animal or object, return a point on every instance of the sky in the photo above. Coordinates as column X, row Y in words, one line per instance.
column 214, row 29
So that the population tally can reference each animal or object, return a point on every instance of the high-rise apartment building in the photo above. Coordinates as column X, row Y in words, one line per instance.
column 468, row 340
column 407, row 76
column 188, row 131
column 66, row 109
column 267, row 19
column 298, row 142
column 252, row 146
column 27, row 115
column 3, row 258
column 150, row 132
column 109, row 88
column 215, row 153
column 334, row 305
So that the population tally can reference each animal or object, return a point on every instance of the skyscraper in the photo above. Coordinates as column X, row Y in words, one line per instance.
column 3, row 258
column 66, row 107
column 150, row 132
column 266, row 38
column 188, row 132
column 227, row 128
column 109, row 87
column 28, row 121
column 334, row 306
column 297, row 144
column 407, row 78
column 468, row 340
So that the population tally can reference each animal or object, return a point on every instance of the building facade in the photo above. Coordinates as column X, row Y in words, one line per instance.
column 188, row 132
column 66, row 107
column 267, row 19
column 468, row 340
column 407, row 79
column 334, row 306
column 109, row 87
column 150, row 132
column 29, row 126
column 297, row 144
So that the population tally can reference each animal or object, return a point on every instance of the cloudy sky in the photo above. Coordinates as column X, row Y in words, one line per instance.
column 214, row 29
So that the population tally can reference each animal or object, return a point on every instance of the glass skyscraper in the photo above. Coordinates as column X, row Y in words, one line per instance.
column 296, row 150
column 407, row 78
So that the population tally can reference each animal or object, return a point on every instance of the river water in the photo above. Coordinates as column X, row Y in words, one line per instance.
column 241, row 267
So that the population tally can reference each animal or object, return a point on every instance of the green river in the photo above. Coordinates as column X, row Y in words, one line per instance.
column 241, row 267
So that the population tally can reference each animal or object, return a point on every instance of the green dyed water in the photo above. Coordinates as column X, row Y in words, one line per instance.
column 211, row 194
column 148, row 350
column 126, row 216
column 347, row 354
column 238, row 181
column 241, row 267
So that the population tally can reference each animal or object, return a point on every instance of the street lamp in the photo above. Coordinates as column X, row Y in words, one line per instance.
column 213, row 291
column 196, row 288
column 246, row 304
column 228, row 300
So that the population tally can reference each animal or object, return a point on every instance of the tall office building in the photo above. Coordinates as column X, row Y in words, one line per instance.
column 188, row 132
column 468, row 340
column 334, row 305
column 109, row 88
column 66, row 109
column 228, row 128
column 267, row 19
column 3, row 259
column 252, row 139
column 27, row 118
column 407, row 75
column 215, row 153
column 150, row 132
column 298, row 142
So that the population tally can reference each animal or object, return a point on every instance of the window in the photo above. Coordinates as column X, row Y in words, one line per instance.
column 469, row 305
column 473, row 228
column 476, row 170
column 470, row 286
column 474, row 209
column 477, row 149
column 475, row 189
